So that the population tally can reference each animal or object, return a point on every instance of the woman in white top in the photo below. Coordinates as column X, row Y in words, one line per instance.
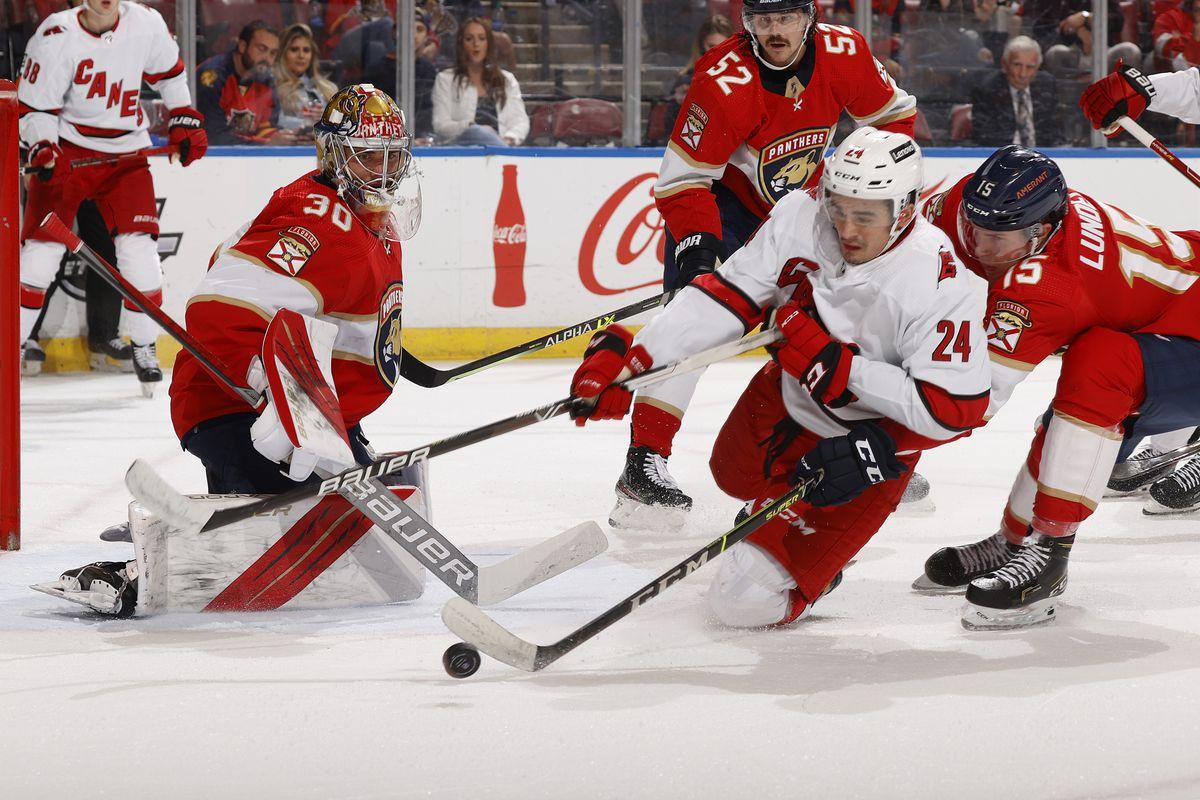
column 476, row 102
column 301, row 89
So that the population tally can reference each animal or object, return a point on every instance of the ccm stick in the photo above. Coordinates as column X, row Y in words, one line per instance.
column 416, row 371
column 485, row 634
column 391, row 515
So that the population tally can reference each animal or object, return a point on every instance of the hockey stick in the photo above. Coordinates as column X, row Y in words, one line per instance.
column 1132, row 471
column 116, row 158
column 393, row 462
column 416, row 371
column 478, row 629
column 54, row 228
column 1160, row 149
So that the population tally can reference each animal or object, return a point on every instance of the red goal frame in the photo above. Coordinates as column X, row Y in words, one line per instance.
column 10, row 331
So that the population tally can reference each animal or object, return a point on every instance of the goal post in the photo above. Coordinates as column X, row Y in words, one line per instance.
column 10, row 329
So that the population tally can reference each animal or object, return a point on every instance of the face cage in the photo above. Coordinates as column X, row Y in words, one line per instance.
column 382, row 189
column 804, row 37
column 898, row 206
column 967, row 235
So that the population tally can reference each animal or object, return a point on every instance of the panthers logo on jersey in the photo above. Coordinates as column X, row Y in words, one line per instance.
column 791, row 162
column 387, row 335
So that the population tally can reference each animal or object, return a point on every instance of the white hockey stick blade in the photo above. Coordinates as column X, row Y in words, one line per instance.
column 541, row 562
column 177, row 510
column 471, row 625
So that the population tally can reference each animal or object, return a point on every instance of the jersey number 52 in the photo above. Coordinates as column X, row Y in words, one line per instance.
column 739, row 76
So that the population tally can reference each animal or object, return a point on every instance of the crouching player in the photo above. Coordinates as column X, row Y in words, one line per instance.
column 1066, row 269
column 325, row 246
column 884, row 356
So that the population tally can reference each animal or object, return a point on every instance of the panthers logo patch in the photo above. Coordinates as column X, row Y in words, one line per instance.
column 1004, row 328
column 790, row 162
column 387, row 335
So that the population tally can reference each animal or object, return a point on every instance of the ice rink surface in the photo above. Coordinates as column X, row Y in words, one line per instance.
column 880, row 693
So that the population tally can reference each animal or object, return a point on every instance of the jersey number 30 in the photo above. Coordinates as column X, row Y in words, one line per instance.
column 320, row 207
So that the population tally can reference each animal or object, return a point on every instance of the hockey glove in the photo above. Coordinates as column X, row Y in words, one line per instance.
column 186, row 134
column 696, row 255
column 47, row 158
column 845, row 466
column 610, row 355
column 1124, row 93
column 811, row 356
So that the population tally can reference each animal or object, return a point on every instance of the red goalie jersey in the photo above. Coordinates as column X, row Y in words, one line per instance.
column 762, row 132
column 1104, row 268
column 307, row 252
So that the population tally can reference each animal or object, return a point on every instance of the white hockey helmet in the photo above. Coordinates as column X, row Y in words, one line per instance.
column 876, row 165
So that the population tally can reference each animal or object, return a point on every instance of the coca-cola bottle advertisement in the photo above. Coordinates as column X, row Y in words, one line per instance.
column 508, row 244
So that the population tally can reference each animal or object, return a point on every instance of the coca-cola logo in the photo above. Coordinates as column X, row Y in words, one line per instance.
column 508, row 234
column 643, row 231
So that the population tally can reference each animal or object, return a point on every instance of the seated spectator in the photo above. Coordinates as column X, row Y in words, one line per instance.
column 711, row 33
column 235, row 91
column 424, row 74
column 1063, row 28
column 960, row 33
column 476, row 102
column 1177, row 35
column 443, row 29
column 362, row 12
column 302, row 91
column 1017, row 105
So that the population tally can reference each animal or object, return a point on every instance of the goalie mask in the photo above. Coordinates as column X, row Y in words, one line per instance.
column 364, row 148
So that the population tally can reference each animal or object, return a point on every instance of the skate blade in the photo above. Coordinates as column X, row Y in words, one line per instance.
column 31, row 369
column 103, row 602
column 979, row 618
column 1114, row 494
column 102, row 363
column 630, row 514
column 148, row 389
column 1153, row 508
column 923, row 585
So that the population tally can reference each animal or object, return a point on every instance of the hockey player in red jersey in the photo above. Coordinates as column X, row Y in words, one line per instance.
column 78, row 94
column 1066, row 269
column 754, row 126
column 883, row 357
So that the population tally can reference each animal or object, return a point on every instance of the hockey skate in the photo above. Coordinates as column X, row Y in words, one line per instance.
column 1025, row 591
column 145, row 364
column 113, row 355
column 647, row 495
column 916, row 495
column 108, row 587
column 1178, row 493
column 33, row 358
column 949, row 570
column 1136, row 474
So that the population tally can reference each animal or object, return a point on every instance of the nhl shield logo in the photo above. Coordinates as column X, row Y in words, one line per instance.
column 790, row 162
column 387, row 335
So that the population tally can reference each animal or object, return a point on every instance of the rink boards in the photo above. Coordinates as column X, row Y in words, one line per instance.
column 593, row 237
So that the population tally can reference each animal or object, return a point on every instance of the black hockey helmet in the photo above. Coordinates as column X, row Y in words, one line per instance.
column 775, row 6
column 753, row 8
column 1015, row 188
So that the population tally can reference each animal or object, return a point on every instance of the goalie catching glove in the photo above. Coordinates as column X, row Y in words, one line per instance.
column 846, row 466
column 811, row 356
column 610, row 356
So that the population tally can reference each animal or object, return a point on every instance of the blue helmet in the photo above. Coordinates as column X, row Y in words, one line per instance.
column 1015, row 188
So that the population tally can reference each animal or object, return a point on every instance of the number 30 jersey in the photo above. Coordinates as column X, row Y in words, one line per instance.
column 1103, row 268
column 761, row 132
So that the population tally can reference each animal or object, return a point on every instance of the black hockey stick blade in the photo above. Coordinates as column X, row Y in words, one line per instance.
column 478, row 629
column 413, row 370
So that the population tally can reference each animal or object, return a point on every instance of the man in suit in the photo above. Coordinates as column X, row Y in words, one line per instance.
column 1017, row 104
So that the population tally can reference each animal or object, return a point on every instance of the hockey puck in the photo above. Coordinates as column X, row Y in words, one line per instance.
column 461, row 660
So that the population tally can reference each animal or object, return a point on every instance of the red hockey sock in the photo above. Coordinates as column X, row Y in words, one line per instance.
column 654, row 428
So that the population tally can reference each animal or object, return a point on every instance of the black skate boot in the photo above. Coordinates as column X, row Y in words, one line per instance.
column 112, row 355
column 949, row 570
column 109, row 587
column 1178, row 493
column 647, row 495
column 1024, row 591
column 145, row 364
column 33, row 358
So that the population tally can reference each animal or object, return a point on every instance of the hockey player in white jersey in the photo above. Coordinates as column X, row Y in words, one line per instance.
column 78, row 94
column 884, row 356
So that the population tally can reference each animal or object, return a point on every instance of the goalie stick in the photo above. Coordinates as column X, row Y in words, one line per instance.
column 416, row 371
column 391, row 463
column 481, row 631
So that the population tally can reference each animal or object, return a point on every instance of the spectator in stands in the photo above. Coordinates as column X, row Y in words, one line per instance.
column 360, row 13
column 235, row 91
column 1177, row 35
column 711, row 33
column 300, row 87
column 477, row 102
column 1017, row 105
column 425, row 73
column 1063, row 28
column 443, row 29
column 961, row 33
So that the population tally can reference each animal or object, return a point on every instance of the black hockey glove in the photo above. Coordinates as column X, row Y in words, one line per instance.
column 845, row 466
column 696, row 255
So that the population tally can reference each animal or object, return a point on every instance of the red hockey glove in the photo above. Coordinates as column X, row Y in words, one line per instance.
column 608, row 354
column 185, row 133
column 47, row 158
column 1124, row 93
column 811, row 356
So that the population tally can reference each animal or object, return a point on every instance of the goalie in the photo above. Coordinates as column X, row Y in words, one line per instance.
column 328, row 247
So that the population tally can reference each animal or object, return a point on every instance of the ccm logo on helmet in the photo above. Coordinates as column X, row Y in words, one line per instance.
column 903, row 151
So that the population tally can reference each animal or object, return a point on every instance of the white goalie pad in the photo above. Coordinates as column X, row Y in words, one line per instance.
column 315, row 554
